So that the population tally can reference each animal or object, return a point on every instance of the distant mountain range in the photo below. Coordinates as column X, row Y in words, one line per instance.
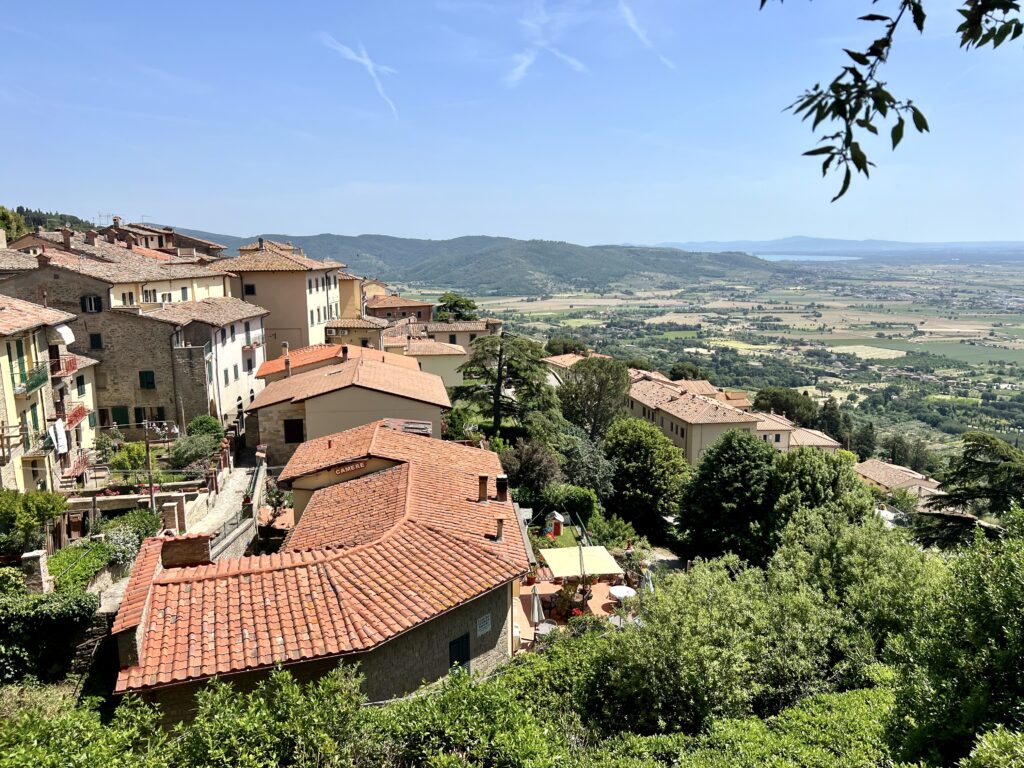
column 504, row 265
column 866, row 250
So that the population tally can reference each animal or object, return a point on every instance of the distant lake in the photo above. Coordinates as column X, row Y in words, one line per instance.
column 804, row 257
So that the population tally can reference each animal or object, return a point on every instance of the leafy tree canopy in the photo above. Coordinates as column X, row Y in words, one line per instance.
column 594, row 394
column 455, row 306
column 796, row 406
column 987, row 476
column 563, row 345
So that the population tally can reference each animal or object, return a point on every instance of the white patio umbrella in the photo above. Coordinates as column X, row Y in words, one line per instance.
column 536, row 609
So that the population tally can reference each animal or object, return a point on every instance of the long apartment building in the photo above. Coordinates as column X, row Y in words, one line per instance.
column 171, row 341
column 47, row 399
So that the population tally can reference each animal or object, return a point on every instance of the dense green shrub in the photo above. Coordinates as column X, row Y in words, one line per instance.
column 23, row 518
column 73, row 567
column 12, row 582
column 998, row 748
column 205, row 425
column 38, row 632
column 194, row 448
column 579, row 503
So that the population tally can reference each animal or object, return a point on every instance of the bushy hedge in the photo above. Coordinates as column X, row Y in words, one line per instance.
column 191, row 449
column 38, row 633
column 205, row 425
column 23, row 517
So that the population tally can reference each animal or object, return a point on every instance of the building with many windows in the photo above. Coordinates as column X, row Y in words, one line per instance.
column 301, row 294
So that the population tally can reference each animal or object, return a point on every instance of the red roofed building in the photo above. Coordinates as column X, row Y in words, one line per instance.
column 395, row 307
column 405, row 558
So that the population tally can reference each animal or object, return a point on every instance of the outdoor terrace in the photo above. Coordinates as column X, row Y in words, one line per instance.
column 28, row 381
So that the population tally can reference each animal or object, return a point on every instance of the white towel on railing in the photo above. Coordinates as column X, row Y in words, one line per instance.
column 59, row 437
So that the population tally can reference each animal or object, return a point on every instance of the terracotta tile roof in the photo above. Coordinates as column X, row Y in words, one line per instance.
column 115, row 263
column 20, row 315
column 889, row 475
column 303, row 357
column 272, row 257
column 407, row 326
column 635, row 375
column 16, row 261
column 216, row 311
column 133, row 604
column 380, row 302
column 812, row 438
column 85, row 362
column 570, row 359
column 360, row 322
column 357, row 372
column 390, row 551
column 669, row 397
column 738, row 399
column 428, row 347
column 773, row 422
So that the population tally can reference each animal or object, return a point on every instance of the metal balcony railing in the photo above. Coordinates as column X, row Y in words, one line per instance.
column 77, row 463
column 72, row 412
column 253, row 339
column 27, row 383
column 63, row 366
column 36, row 443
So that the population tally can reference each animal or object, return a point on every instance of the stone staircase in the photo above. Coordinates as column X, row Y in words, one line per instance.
column 89, row 643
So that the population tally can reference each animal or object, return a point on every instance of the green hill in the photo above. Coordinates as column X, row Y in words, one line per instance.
column 505, row 265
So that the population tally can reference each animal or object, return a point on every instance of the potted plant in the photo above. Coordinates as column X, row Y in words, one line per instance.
column 531, row 576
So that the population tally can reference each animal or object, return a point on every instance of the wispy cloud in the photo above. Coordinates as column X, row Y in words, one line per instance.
column 543, row 30
column 626, row 11
column 362, row 58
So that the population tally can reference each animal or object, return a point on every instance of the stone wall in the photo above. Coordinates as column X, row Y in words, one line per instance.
column 394, row 669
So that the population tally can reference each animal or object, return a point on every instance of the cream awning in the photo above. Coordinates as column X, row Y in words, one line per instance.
column 65, row 333
column 565, row 561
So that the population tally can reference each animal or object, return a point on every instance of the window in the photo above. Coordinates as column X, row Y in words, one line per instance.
column 419, row 314
column 140, row 415
column 248, row 333
column 128, row 298
column 232, row 331
column 104, row 417
column 294, row 430
column 161, row 414
column 778, row 438
column 249, row 364
column 223, row 337
column 458, row 652
column 249, row 289
column 311, row 317
column 451, row 338
column 165, row 298
column 209, row 370
column 184, row 294
column 147, row 380
column 318, row 315
column 80, row 385
column 309, row 285
column 119, row 414
column 95, row 341
column 236, row 371
column 148, row 296
column 365, row 342
column 92, row 304
column 389, row 314
column 227, row 377
column 472, row 337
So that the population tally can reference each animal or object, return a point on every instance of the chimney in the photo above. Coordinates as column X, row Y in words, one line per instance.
column 344, row 353
column 482, row 495
column 117, row 221
column 287, row 359
column 502, row 482
column 501, row 529
column 90, row 237
column 261, row 243
column 43, row 258
column 111, row 237
column 66, row 234
column 186, row 551
column 130, row 240
column 3, row 238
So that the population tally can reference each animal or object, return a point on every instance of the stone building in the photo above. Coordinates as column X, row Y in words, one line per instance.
column 405, row 558
column 460, row 332
column 301, row 294
column 164, row 239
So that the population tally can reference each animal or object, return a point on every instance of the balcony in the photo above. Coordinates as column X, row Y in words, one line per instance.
column 72, row 412
column 63, row 366
column 37, row 444
column 253, row 340
column 28, row 382
column 75, row 463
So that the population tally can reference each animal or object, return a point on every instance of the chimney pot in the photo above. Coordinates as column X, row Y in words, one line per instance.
column 90, row 237
column 261, row 243
column 185, row 551
column 117, row 221
column 482, row 495
column 344, row 353
column 66, row 235
column 501, row 481
column 501, row 529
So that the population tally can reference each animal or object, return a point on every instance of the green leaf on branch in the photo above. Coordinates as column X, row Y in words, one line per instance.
column 897, row 133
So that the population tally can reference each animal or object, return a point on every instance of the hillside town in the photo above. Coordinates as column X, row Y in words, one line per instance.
column 288, row 450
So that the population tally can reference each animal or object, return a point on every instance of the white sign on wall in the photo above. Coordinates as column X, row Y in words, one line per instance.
column 483, row 625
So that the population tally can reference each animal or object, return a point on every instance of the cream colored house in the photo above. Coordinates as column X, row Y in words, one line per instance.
column 47, row 405
column 302, row 295
column 459, row 332
column 693, row 422
column 308, row 405
column 433, row 357
column 783, row 435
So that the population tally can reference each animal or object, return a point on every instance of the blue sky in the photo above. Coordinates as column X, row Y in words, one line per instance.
column 600, row 121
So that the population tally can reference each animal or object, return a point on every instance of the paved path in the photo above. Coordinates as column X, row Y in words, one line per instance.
column 228, row 502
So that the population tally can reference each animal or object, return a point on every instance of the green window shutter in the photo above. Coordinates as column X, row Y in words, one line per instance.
column 119, row 413
column 92, row 419
column 140, row 415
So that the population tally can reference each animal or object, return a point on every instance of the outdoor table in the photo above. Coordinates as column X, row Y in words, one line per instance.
column 621, row 593
column 543, row 629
